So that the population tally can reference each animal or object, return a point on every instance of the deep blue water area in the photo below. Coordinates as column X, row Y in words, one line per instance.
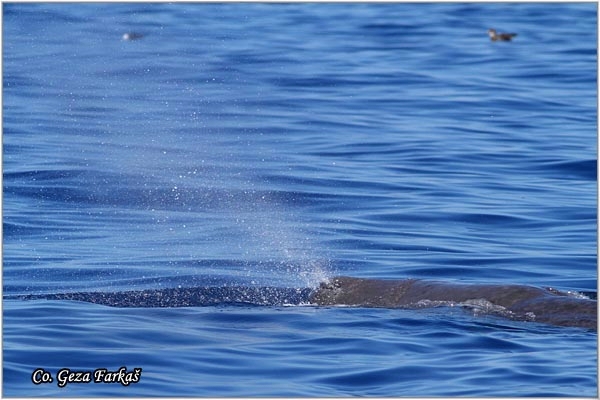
column 282, row 144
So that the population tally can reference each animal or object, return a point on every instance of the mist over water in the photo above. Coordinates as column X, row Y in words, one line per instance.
column 278, row 145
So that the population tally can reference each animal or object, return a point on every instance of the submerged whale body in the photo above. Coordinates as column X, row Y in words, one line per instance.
column 517, row 302
column 185, row 297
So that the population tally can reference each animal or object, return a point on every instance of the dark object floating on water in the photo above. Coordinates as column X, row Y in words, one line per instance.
column 501, row 37
column 131, row 36
column 517, row 302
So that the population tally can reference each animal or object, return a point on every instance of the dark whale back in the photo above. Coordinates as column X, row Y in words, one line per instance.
column 518, row 302
column 345, row 290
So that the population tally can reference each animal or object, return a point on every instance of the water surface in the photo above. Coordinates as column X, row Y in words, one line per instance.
column 281, row 144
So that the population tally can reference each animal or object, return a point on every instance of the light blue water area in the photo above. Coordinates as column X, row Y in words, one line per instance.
column 282, row 144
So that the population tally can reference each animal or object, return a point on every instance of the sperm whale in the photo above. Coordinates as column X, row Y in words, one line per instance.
column 518, row 302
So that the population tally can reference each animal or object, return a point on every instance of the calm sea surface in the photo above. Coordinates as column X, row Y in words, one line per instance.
column 279, row 145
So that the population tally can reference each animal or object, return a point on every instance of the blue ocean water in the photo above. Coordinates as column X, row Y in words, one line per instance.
column 282, row 144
